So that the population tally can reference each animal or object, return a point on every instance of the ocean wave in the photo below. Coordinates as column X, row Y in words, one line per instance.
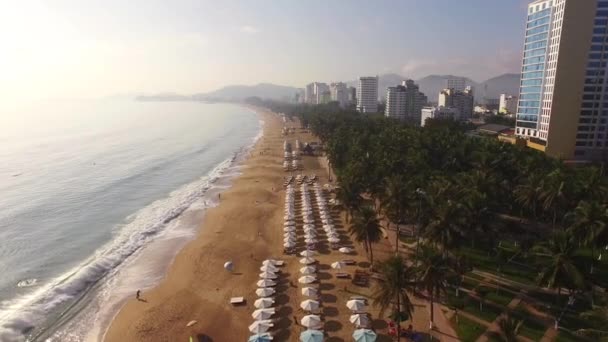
column 19, row 317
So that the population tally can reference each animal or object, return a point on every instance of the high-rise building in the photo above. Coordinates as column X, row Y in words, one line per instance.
column 313, row 94
column 321, row 93
column 396, row 102
column 562, row 108
column 367, row 95
column 405, row 102
column 508, row 104
column 456, row 83
column 438, row 113
column 339, row 93
column 309, row 93
column 461, row 100
column 352, row 95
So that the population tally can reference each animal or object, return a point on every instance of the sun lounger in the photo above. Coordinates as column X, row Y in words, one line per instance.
column 342, row 275
column 237, row 300
column 349, row 262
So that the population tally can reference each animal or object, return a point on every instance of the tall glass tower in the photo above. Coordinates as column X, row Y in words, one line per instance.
column 562, row 78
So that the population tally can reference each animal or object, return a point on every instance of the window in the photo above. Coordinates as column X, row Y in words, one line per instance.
column 595, row 55
column 598, row 30
column 533, row 60
column 526, row 124
column 538, row 29
column 529, row 103
column 532, row 82
column 601, row 22
column 530, row 97
column 533, row 111
column 533, row 67
column 530, row 90
column 537, row 37
column 527, row 75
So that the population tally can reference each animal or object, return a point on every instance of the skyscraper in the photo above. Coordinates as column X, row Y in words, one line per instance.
column 561, row 107
column 405, row 102
column 461, row 100
column 367, row 95
column 396, row 102
column 314, row 92
column 339, row 93
column 456, row 83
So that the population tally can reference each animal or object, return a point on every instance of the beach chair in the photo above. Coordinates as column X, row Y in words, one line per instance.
column 349, row 262
column 342, row 275
column 237, row 301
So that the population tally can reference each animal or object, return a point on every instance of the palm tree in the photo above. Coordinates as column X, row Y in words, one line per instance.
column 527, row 194
column 350, row 197
column 559, row 269
column 433, row 274
column 509, row 329
column 366, row 229
column 392, row 290
column 589, row 226
column 395, row 203
column 597, row 318
column 553, row 193
column 445, row 228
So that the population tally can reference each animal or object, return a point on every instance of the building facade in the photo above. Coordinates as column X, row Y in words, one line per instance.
column 339, row 93
column 562, row 108
column 508, row 104
column 396, row 102
column 352, row 96
column 456, row 83
column 367, row 95
column 461, row 100
column 438, row 113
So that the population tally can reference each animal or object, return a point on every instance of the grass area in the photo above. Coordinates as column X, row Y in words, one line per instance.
column 565, row 336
column 488, row 314
column 532, row 330
column 501, row 297
column 467, row 330
column 484, row 261
column 469, row 283
column 407, row 239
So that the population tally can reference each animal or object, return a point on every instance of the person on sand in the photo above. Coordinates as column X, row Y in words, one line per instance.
column 137, row 294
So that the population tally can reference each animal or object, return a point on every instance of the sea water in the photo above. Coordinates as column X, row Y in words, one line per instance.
column 96, row 197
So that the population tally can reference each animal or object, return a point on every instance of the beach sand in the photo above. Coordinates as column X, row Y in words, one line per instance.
column 247, row 228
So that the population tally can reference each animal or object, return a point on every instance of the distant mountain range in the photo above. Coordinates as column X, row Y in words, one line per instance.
column 430, row 85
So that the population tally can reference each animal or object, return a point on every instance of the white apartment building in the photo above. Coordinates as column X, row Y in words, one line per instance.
column 396, row 103
column 508, row 104
column 316, row 93
column 461, row 100
column 367, row 95
column 438, row 113
column 339, row 93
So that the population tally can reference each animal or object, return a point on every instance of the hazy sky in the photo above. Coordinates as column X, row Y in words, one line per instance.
column 91, row 48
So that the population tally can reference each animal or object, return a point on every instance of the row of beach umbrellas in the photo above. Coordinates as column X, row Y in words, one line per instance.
column 324, row 213
column 289, row 226
column 264, row 305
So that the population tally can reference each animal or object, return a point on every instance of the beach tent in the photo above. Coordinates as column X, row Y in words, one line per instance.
column 260, row 327
column 311, row 321
column 307, row 261
column 364, row 335
column 265, row 292
column 345, row 250
column 359, row 320
column 268, row 275
column 309, row 305
column 263, row 303
column 338, row 265
column 263, row 314
column 229, row 266
column 260, row 338
column 266, row 283
column 309, row 291
column 307, row 279
column 355, row 305
column 311, row 336
column 308, row 270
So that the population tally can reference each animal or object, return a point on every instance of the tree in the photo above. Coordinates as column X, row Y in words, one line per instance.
column 509, row 329
column 553, row 194
column 349, row 195
column 395, row 203
column 597, row 319
column 366, row 229
column 558, row 267
column 445, row 228
column 433, row 274
column 392, row 290
column 588, row 226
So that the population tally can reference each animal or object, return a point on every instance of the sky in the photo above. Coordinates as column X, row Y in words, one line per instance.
column 96, row 48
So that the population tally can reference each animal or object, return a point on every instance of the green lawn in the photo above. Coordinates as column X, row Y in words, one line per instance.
column 532, row 330
column 467, row 330
column 565, row 336
column 484, row 262
column 488, row 314
column 502, row 297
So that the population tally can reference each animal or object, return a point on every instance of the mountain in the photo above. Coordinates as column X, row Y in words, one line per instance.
column 503, row 84
column 240, row 92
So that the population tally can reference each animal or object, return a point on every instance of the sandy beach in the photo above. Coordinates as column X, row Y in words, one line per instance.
column 247, row 228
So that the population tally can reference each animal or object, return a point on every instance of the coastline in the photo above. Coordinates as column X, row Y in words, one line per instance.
column 195, row 286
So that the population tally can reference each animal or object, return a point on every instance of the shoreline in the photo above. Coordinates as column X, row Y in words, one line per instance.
column 178, row 285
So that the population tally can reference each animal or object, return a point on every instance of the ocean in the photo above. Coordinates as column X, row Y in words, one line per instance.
column 96, row 199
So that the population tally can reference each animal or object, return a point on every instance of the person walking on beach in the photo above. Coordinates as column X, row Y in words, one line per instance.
column 137, row 294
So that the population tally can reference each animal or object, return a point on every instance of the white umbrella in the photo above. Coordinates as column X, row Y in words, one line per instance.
column 263, row 303
column 269, row 262
column 268, row 275
column 311, row 321
column 309, row 291
column 355, row 305
column 263, row 314
column 289, row 234
column 289, row 239
column 289, row 229
column 260, row 327
column 307, row 253
column 265, row 292
column 310, row 240
column 307, row 279
column 333, row 239
column 337, row 265
column 289, row 244
column 269, row 268
column 266, row 283
column 229, row 266
column 308, row 270
column 359, row 319
column 309, row 305
column 307, row 261
column 345, row 250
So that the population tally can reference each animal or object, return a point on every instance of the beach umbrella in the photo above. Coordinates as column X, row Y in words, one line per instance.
column 338, row 265
column 269, row 262
column 289, row 244
column 268, row 275
column 311, row 321
column 310, row 240
column 345, row 250
column 263, row 303
column 269, row 268
column 307, row 261
column 309, row 305
column 359, row 320
column 229, row 266
column 260, row 338
column 307, row 279
column 265, row 292
column 266, row 283
column 308, row 270
column 333, row 239
column 309, row 291
column 289, row 229
column 311, row 336
column 260, row 327
column 289, row 239
column 263, row 314
column 289, row 234
column 364, row 335
column 355, row 305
